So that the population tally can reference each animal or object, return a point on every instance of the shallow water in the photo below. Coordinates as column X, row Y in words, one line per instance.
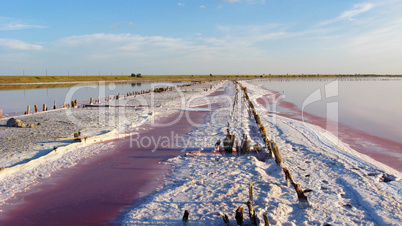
column 372, row 105
column 100, row 190
column 14, row 102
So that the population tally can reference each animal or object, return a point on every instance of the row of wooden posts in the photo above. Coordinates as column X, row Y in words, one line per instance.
column 44, row 108
column 239, row 213
column 91, row 100
column 272, row 149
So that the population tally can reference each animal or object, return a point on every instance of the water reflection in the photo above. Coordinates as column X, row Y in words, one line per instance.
column 14, row 102
column 372, row 105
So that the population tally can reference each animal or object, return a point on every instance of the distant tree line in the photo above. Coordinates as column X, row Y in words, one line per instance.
column 136, row 75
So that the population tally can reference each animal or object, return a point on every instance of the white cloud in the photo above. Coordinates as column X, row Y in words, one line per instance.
column 129, row 24
column 180, row 4
column 203, row 6
column 357, row 9
column 18, row 26
column 350, row 14
column 17, row 44
column 9, row 24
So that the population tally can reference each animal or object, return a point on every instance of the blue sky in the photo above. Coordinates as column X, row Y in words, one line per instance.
column 200, row 37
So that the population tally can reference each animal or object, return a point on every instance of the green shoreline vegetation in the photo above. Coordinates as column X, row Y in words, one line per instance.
column 31, row 82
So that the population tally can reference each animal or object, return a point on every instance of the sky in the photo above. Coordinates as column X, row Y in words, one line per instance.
column 200, row 37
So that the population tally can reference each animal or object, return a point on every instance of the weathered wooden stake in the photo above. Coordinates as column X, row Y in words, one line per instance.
column 90, row 100
column 251, row 213
column 76, row 103
column 275, row 150
column 225, row 219
column 288, row 178
column 237, row 147
column 245, row 145
column 78, row 134
column 257, row 148
column 303, row 200
column 239, row 216
column 1, row 113
column 257, row 119
column 36, row 108
column 250, row 191
column 44, row 107
column 218, row 145
column 185, row 216
column 228, row 142
column 54, row 105
column 28, row 110
column 266, row 220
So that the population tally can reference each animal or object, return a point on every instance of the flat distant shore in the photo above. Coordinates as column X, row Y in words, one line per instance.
column 341, row 184
column 23, row 82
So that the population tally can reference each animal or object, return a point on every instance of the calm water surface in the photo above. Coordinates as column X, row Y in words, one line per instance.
column 372, row 105
column 14, row 102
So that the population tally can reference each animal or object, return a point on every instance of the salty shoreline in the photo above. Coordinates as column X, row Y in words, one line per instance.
column 381, row 149
column 345, row 187
column 335, row 173
column 21, row 146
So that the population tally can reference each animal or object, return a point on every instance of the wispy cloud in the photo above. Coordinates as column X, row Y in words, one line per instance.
column 203, row 7
column 126, row 23
column 17, row 44
column 8, row 24
column 123, row 44
column 18, row 26
column 357, row 9
column 180, row 4
column 350, row 14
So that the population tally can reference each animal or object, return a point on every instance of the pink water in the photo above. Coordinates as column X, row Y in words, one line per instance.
column 98, row 191
column 380, row 149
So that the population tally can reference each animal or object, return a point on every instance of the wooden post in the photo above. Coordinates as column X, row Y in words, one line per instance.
column 98, row 99
column 288, row 178
column 65, row 105
column 262, row 130
column 76, row 103
column 1, row 113
column 78, row 134
column 28, row 109
column 257, row 148
column 225, row 219
column 250, row 191
column 277, row 154
column 72, row 103
column 303, row 200
column 245, row 145
column 239, row 216
column 185, row 216
column 266, row 219
column 36, row 108
column 90, row 100
column 228, row 142
column 44, row 107
column 54, row 105
column 252, row 213
column 218, row 145
column 257, row 119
